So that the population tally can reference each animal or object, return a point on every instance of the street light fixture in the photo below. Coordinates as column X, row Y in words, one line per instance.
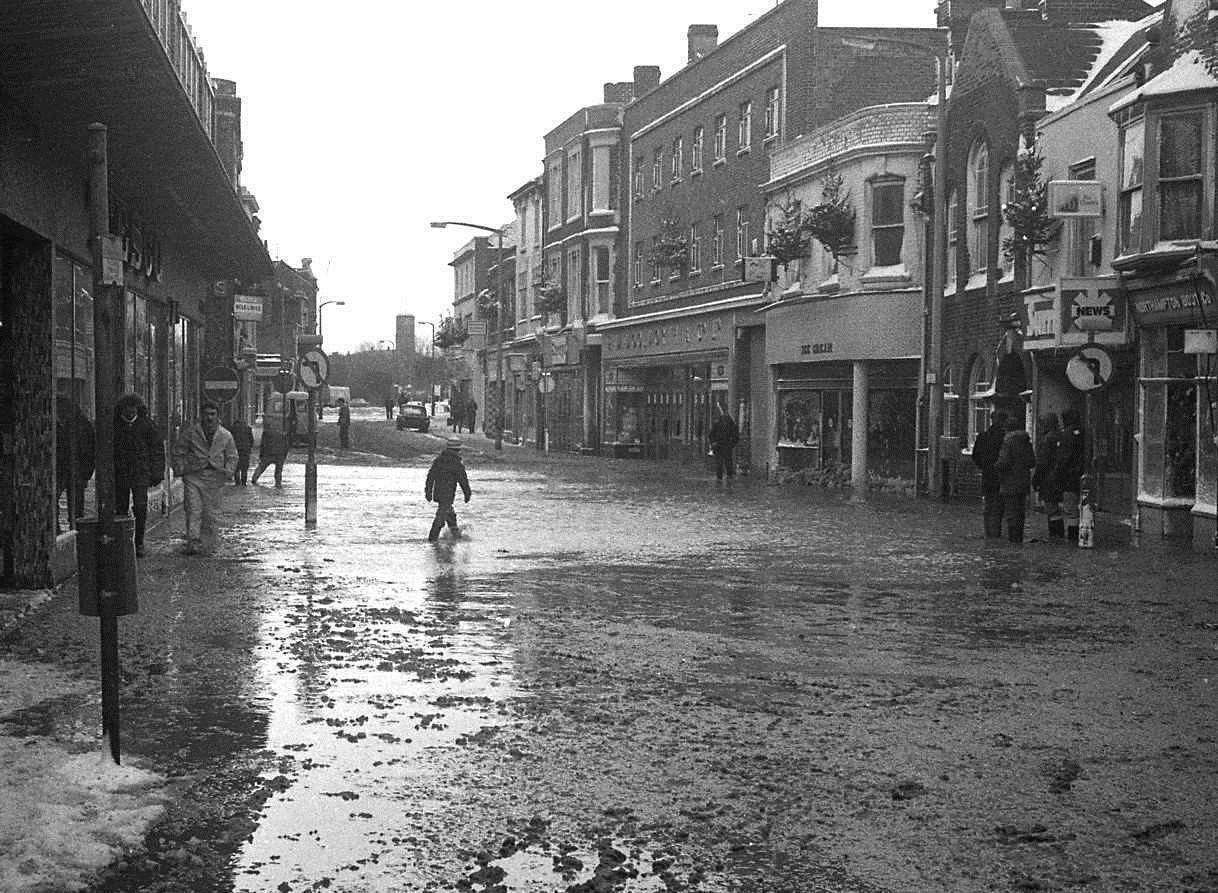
column 323, row 304
column 500, row 377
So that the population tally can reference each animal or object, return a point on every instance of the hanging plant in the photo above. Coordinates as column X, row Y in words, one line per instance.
column 787, row 239
column 488, row 306
column 551, row 298
column 1027, row 213
column 450, row 333
column 832, row 221
column 671, row 250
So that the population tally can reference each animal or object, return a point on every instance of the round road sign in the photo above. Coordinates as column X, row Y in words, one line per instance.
column 221, row 384
column 546, row 384
column 314, row 368
column 1089, row 369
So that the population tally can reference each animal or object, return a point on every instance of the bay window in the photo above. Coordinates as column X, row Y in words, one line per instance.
column 1129, row 223
column 1181, row 178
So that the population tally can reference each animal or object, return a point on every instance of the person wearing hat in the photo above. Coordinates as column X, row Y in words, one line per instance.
column 446, row 473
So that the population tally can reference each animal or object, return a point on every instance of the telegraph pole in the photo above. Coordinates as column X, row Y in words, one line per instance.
column 939, row 223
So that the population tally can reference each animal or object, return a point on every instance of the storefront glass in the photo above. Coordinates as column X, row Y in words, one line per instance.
column 74, row 408
column 1169, row 415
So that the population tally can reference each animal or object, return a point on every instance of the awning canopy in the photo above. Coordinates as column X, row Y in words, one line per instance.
column 69, row 64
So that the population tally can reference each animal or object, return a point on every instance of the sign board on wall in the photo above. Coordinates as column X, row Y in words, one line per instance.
column 247, row 308
column 1076, row 198
column 1185, row 300
column 1079, row 310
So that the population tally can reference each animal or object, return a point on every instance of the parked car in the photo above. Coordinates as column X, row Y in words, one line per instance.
column 413, row 415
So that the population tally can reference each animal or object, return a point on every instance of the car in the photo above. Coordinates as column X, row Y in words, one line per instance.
column 413, row 415
column 358, row 401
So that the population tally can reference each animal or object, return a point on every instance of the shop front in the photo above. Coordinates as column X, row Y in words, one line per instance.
column 665, row 377
column 1176, row 313
column 845, row 379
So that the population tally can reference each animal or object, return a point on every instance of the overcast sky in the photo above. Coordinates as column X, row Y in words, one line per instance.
column 365, row 119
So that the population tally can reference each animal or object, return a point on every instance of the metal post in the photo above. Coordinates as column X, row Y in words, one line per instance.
column 939, row 223
column 311, row 467
column 499, row 382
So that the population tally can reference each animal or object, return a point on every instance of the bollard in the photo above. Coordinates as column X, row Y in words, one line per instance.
column 1086, row 513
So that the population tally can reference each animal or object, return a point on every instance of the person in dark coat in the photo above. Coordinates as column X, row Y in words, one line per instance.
column 1043, row 481
column 139, row 461
column 1069, row 464
column 447, row 472
column 243, row 437
column 985, row 454
column 344, row 424
column 1016, row 459
column 74, row 441
column 456, row 411
column 389, row 408
column 724, row 435
column 272, row 450
column 471, row 414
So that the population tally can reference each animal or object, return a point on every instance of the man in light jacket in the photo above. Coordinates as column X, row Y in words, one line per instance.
column 204, row 457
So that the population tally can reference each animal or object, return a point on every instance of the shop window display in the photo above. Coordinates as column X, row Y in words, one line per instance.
column 74, row 410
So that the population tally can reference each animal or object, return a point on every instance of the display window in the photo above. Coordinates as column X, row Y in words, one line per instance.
column 74, row 390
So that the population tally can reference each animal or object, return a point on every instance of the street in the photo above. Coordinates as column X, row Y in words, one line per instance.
column 626, row 677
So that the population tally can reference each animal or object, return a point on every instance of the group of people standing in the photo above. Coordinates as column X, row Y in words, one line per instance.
column 1011, row 468
column 462, row 412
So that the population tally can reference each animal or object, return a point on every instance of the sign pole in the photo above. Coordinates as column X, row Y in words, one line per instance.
column 313, row 369
column 311, row 466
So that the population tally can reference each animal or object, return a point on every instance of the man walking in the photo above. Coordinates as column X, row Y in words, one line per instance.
column 724, row 435
column 344, row 425
column 139, row 461
column 389, row 408
column 272, row 450
column 1069, row 463
column 243, row 437
column 985, row 453
column 446, row 473
column 1016, row 459
column 471, row 414
column 204, row 456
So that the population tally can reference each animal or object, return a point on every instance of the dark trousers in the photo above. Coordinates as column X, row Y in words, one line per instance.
column 724, row 463
column 241, row 475
column 1015, row 508
column 344, row 437
column 265, row 462
column 445, row 514
column 133, row 495
column 992, row 514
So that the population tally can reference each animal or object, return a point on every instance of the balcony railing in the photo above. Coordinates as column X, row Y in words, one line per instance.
column 185, row 56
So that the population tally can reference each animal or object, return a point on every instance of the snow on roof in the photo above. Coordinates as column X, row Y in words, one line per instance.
column 1186, row 74
column 1113, row 36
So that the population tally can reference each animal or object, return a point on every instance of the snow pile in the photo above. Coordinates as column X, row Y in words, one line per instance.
column 63, row 816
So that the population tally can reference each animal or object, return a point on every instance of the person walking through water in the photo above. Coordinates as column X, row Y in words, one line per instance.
column 1069, row 463
column 243, row 437
column 985, row 453
column 724, row 435
column 1016, row 459
column 447, row 472
column 344, row 425
column 139, row 461
column 1043, row 480
column 205, row 457
column 272, row 450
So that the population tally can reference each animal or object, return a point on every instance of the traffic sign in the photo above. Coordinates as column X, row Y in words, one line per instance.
column 546, row 384
column 221, row 383
column 285, row 380
column 1089, row 369
column 314, row 368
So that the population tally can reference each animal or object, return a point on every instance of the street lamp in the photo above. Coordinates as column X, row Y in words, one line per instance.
column 431, row 353
column 498, row 231
column 323, row 304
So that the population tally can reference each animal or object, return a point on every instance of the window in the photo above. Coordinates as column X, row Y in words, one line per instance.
column 638, row 176
column 604, row 279
column 1129, row 222
column 1080, row 230
column 695, row 151
column 980, row 392
column 657, row 170
column 554, row 193
column 979, row 208
column 678, row 158
column 1181, row 180
column 1006, row 195
column 575, row 281
column 742, row 231
column 772, row 101
column 948, row 422
column 721, row 138
column 655, row 259
column 717, row 241
column 695, row 250
column 953, row 239
column 887, row 222
column 744, row 128
column 638, row 264
column 575, row 185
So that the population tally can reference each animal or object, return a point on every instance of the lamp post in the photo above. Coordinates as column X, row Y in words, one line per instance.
column 499, row 376
column 431, row 353
column 323, row 304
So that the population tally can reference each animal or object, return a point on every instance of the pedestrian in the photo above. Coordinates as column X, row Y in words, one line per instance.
column 724, row 435
column 1016, row 459
column 344, row 425
column 985, row 453
column 74, row 457
column 446, row 473
column 243, row 438
column 272, row 450
column 1069, row 463
column 456, row 411
column 471, row 414
column 389, row 408
column 204, row 456
column 1043, row 481
column 139, row 461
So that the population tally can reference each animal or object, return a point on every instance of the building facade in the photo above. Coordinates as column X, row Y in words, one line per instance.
column 524, row 351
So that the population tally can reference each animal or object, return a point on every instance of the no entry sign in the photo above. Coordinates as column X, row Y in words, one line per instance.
column 220, row 384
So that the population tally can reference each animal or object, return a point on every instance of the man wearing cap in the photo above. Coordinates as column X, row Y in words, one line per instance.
column 446, row 472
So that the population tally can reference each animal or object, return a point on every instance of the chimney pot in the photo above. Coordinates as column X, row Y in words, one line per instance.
column 702, row 40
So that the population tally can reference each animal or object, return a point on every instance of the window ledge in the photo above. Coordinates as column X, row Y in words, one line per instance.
column 696, row 172
column 977, row 280
column 745, row 150
column 719, row 162
column 693, row 273
column 716, row 268
column 877, row 278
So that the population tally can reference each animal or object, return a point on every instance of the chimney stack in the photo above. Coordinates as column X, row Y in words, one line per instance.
column 622, row 92
column 702, row 40
column 646, row 78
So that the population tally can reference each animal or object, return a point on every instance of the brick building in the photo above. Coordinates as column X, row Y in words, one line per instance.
column 697, row 147
column 524, row 358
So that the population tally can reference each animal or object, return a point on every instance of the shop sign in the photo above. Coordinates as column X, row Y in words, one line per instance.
column 1184, row 300
column 622, row 381
column 669, row 336
column 1079, row 310
column 557, row 348
column 247, row 307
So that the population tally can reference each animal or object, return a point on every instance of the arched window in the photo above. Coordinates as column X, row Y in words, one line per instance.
column 951, row 399
column 1006, row 194
column 980, row 397
column 979, row 207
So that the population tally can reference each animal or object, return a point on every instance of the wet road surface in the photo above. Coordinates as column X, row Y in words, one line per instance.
column 623, row 680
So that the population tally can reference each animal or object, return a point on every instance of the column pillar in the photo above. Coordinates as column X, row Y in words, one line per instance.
column 858, row 440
